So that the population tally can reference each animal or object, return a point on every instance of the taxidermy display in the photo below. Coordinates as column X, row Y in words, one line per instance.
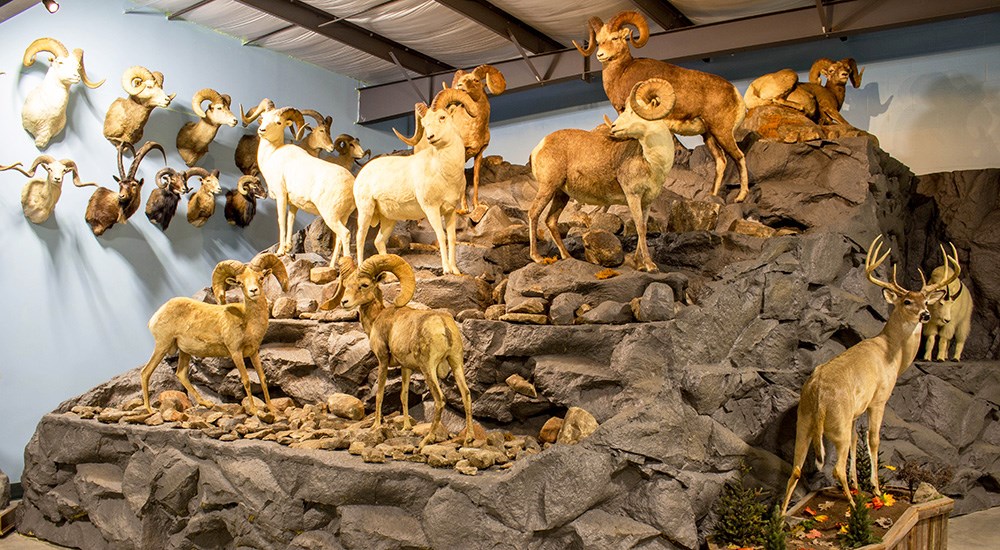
column 106, row 208
column 192, row 328
column 475, row 130
column 951, row 318
column 707, row 105
column 318, row 139
column 427, row 184
column 127, row 116
column 194, row 138
column 170, row 185
column 861, row 378
column 624, row 162
column 40, row 195
column 245, row 155
column 298, row 180
column 44, row 111
column 818, row 102
column 201, row 205
column 417, row 340
column 241, row 203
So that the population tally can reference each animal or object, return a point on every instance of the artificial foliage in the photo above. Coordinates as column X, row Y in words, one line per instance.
column 864, row 466
column 740, row 514
column 859, row 525
column 914, row 472
column 775, row 530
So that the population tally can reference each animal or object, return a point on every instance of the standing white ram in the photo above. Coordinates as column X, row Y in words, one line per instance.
column 298, row 180
column 429, row 183
column 44, row 111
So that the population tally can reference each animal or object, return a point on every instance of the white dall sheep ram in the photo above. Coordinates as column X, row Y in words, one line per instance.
column 819, row 103
column 951, row 318
column 707, row 104
column 299, row 181
column 127, row 116
column 195, row 329
column 39, row 196
column 427, row 184
column 194, row 137
column 424, row 341
column 625, row 162
column 44, row 111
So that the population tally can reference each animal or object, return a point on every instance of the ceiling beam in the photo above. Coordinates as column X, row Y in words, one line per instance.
column 848, row 17
column 504, row 24
column 183, row 11
column 325, row 24
column 664, row 13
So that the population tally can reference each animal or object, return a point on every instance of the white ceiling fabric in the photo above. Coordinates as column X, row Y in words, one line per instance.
column 566, row 21
column 702, row 12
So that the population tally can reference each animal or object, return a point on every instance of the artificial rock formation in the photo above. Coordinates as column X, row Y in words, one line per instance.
column 697, row 369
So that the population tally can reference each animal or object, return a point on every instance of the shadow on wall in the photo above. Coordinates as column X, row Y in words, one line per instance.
column 864, row 105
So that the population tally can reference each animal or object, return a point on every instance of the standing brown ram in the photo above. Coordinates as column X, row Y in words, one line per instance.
column 476, row 130
column 707, row 104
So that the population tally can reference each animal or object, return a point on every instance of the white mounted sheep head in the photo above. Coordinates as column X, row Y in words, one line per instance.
column 146, row 87
column 611, row 40
column 649, row 101
column 64, row 66
column 218, row 112
column 273, row 123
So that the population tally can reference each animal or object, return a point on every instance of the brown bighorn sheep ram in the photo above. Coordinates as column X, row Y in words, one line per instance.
column 246, row 150
column 476, row 130
column 862, row 378
column 201, row 205
column 819, row 103
column 300, row 181
column 318, row 139
column 425, row 341
column 194, row 137
column 44, row 111
column 193, row 328
column 106, row 208
column 707, row 105
column 951, row 318
column 241, row 203
column 427, row 184
column 127, row 116
column 39, row 196
column 170, row 185
column 349, row 151
column 625, row 162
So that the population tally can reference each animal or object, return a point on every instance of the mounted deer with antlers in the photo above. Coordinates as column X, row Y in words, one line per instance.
column 862, row 377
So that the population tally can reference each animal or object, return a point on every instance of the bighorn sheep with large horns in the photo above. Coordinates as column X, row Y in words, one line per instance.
column 951, row 318
column 819, row 103
column 707, row 105
column 106, row 208
column 241, row 203
column 429, row 183
column 245, row 155
column 195, row 329
column 194, row 137
column 201, row 205
column 127, row 116
column 170, row 185
column 625, row 162
column 299, row 181
column 476, row 130
column 39, row 196
column 349, row 151
column 425, row 341
column 318, row 139
column 862, row 378
column 44, row 111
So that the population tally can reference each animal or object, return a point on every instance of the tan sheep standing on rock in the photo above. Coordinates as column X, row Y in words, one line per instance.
column 426, row 341
column 707, row 104
column 195, row 329
column 819, row 103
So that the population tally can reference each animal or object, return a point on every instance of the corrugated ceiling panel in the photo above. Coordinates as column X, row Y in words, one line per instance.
column 234, row 19
column 701, row 12
column 329, row 54
column 566, row 21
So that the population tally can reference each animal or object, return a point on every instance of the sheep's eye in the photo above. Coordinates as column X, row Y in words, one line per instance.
column 364, row 285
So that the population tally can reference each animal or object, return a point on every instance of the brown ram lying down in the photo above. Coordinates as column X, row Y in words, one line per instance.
column 201, row 205
column 127, row 116
column 241, row 203
column 194, row 137
column 106, row 208
column 707, row 105
column 820, row 103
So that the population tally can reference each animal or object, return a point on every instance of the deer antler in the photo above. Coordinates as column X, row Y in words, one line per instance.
column 873, row 261
column 949, row 276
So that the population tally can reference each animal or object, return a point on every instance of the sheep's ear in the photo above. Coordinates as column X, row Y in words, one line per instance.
column 264, row 274
column 232, row 281
column 116, row 179
column 381, row 277
column 935, row 297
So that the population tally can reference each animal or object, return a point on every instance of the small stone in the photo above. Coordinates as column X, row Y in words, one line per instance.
column 477, row 458
column 137, row 418
column 478, row 212
column 229, row 437
column 356, row 448
column 564, row 306
column 281, row 404
column 693, row 216
column 495, row 312
column 550, row 430
column 577, row 425
column 533, row 306
column 525, row 318
column 156, row 419
column 132, row 404
column 605, row 221
column 85, row 412
column 306, row 305
column 372, row 455
column 172, row 415
column 499, row 291
column 513, row 234
column 656, row 303
column 517, row 383
column 608, row 313
column 111, row 415
column 602, row 248
column 345, row 406
column 173, row 399
column 323, row 275
column 266, row 415
column 467, row 314
column 925, row 492
column 245, row 403
column 283, row 308
column 752, row 228
column 464, row 467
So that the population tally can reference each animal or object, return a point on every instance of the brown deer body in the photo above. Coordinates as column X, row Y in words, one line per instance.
column 861, row 379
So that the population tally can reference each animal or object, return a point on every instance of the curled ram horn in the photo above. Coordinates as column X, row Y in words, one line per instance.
column 254, row 113
column 635, row 19
column 855, row 74
column 293, row 115
column 141, row 154
column 41, row 160
column 16, row 166
column 652, row 99
column 818, row 68
column 317, row 116
column 78, row 54
column 46, row 44
column 133, row 78
column 223, row 271
column 494, row 78
column 163, row 177
column 376, row 265
column 70, row 165
column 453, row 96
column 418, row 112
column 594, row 24
column 200, row 97
column 270, row 261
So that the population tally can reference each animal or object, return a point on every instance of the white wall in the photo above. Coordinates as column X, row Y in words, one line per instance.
column 73, row 307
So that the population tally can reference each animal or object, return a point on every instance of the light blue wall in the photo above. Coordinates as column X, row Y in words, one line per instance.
column 74, row 308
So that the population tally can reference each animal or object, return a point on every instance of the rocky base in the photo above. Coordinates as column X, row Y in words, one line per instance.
column 786, row 125
column 4, row 490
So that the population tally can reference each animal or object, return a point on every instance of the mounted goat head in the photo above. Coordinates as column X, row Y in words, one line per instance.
column 44, row 111
column 194, row 137
column 39, row 196
column 127, row 116
column 106, row 208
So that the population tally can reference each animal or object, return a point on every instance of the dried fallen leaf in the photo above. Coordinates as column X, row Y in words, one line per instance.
column 809, row 511
column 823, row 506
column 876, row 503
column 814, row 534
column 606, row 274
column 888, row 499
column 884, row 523
column 821, row 518
column 549, row 260
column 890, row 467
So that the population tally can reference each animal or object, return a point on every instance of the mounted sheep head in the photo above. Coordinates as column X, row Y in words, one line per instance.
column 435, row 122
column 318, row 138
column 44, row 111
column 611, row 40
column 836, row 72
column 40, row 195
column 194, row 138
column 126, row 117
